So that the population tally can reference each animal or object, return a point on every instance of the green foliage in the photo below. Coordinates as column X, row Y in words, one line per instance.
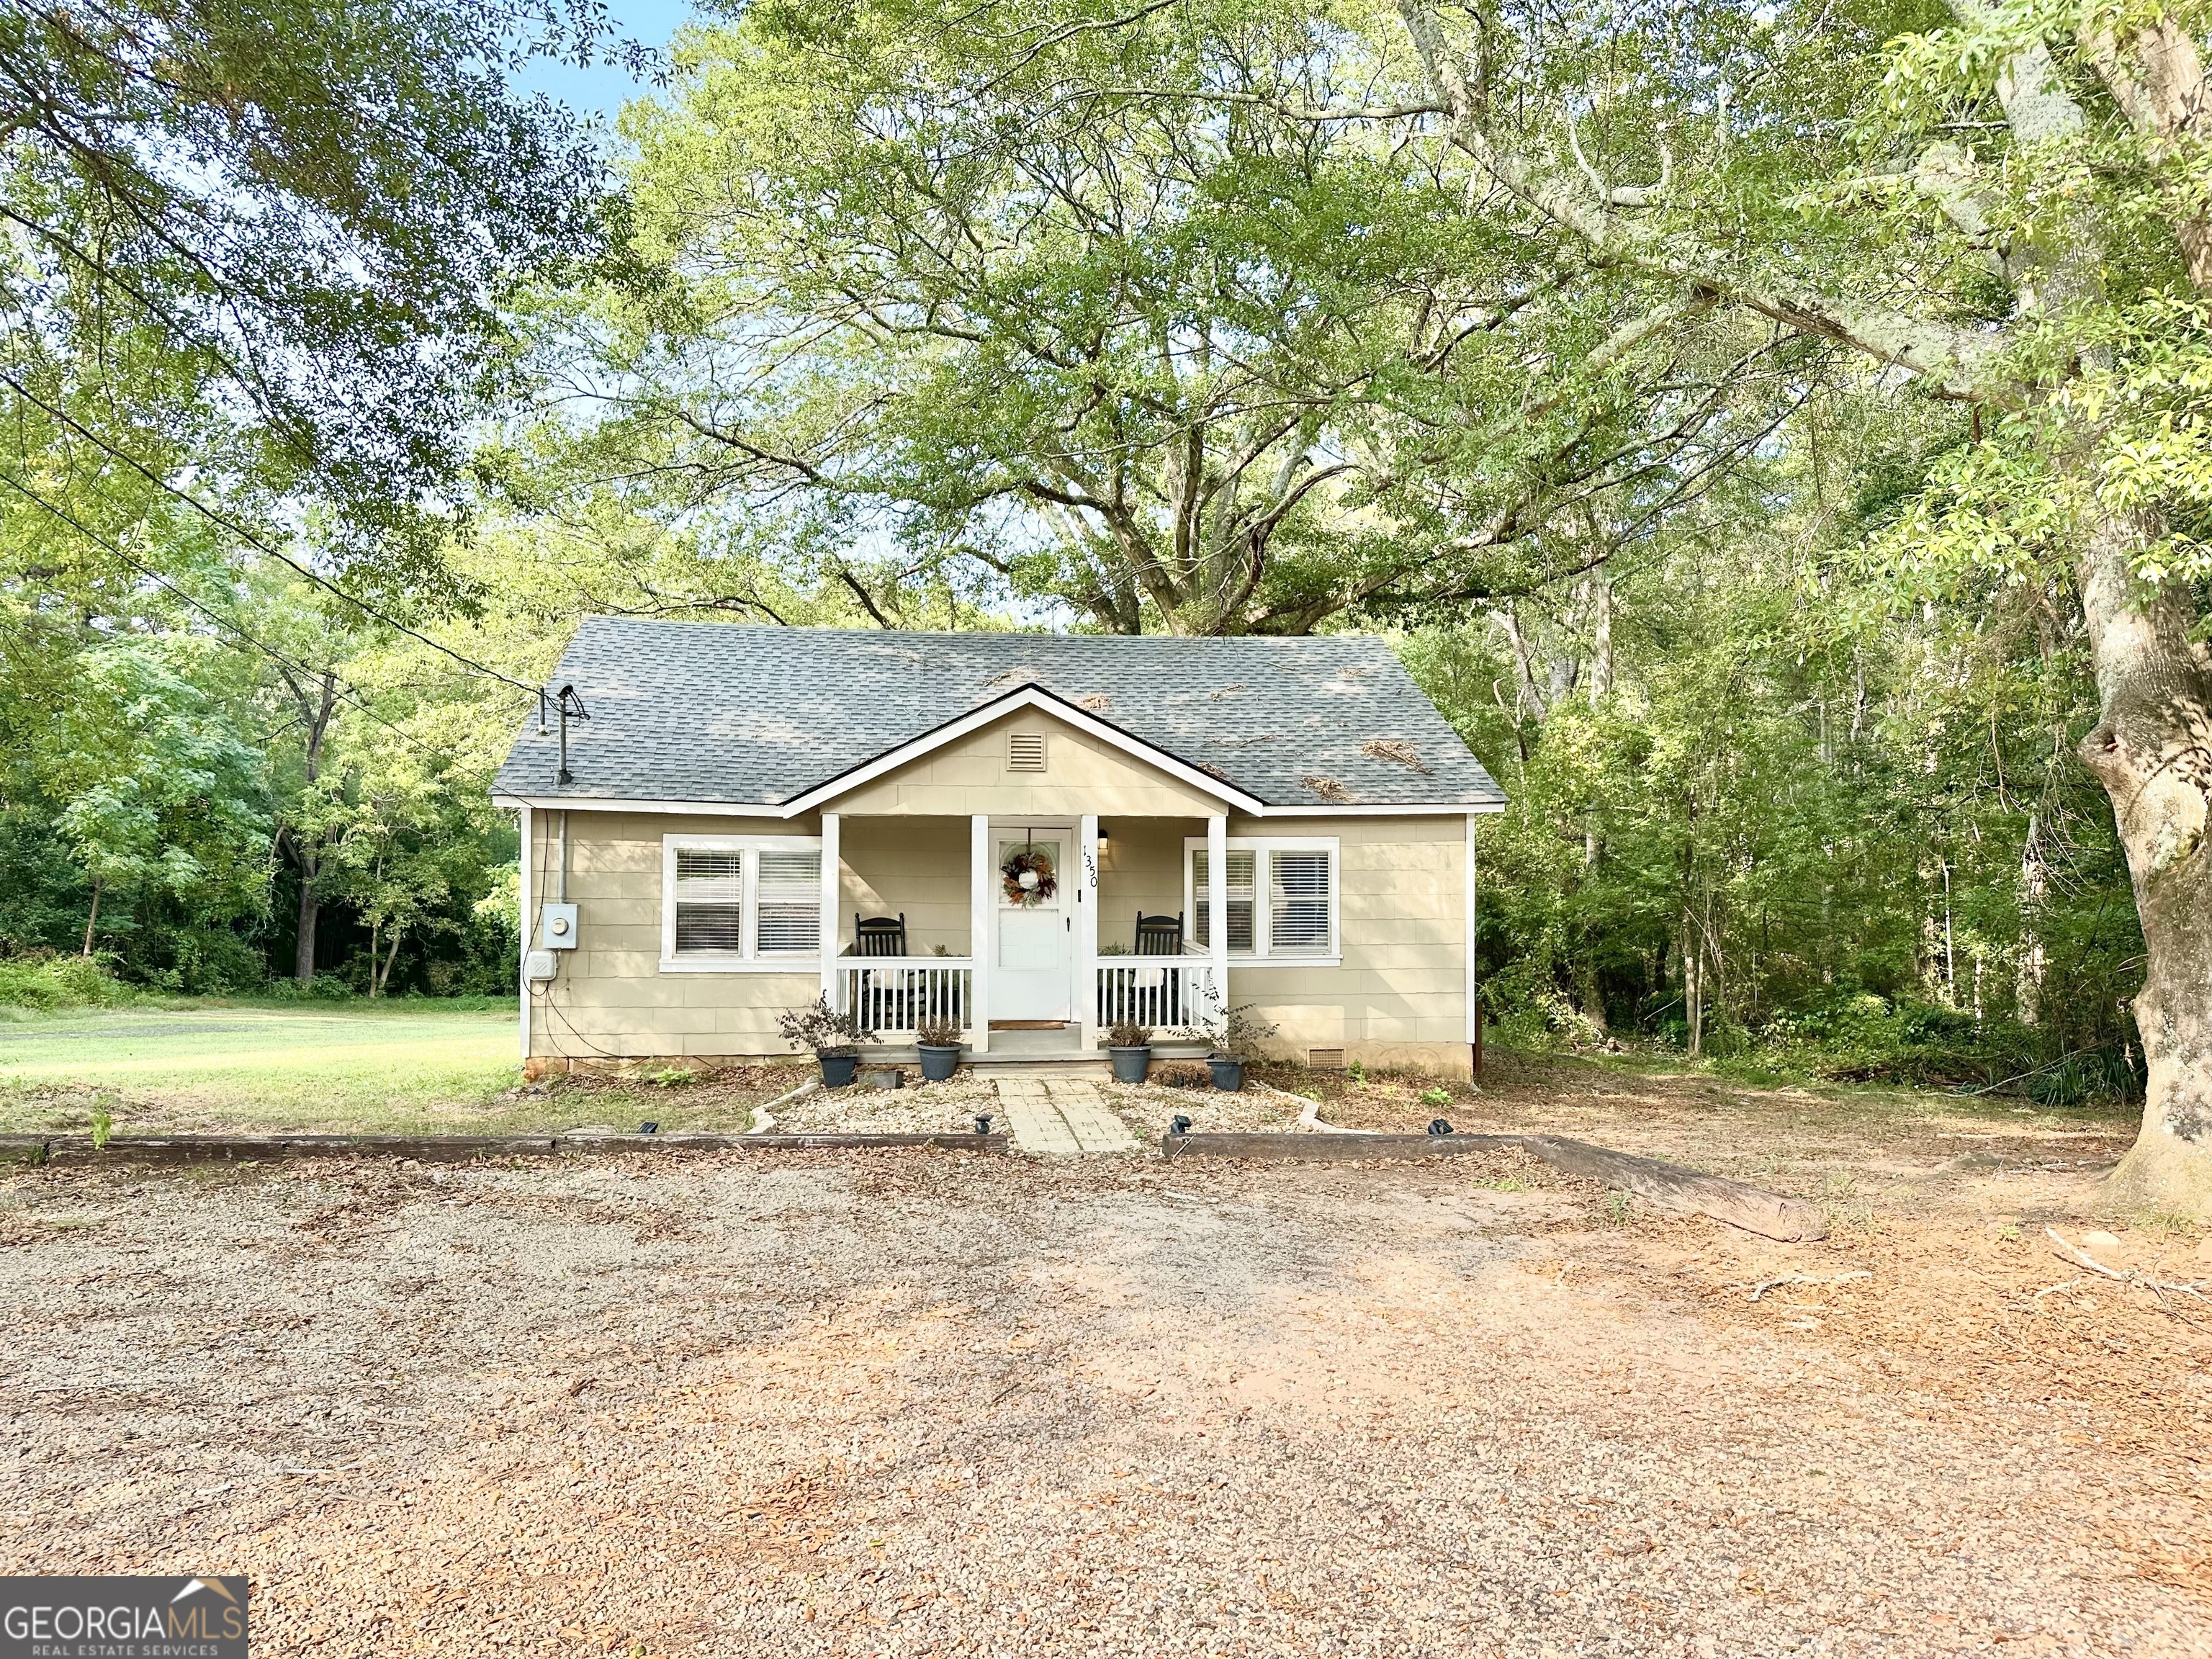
column 50, row 983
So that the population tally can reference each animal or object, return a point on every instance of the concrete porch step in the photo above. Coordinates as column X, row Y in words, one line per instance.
column 1061, row 1056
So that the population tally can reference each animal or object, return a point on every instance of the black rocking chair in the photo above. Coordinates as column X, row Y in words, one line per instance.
column 1159, row 936
column 881, row 1002
column 879, row 936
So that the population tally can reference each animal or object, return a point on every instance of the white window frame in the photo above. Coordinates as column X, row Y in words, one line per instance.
column 1262, row 952
column 750, row 959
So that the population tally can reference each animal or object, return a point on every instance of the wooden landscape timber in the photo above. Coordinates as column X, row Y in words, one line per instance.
column 445, row 1149
column 1669, row 1186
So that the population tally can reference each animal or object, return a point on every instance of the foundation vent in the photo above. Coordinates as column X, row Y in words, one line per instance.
column 1025, row 752
column 1325, row 1060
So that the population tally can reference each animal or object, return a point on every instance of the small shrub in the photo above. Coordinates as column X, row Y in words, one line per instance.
column 825, row 1029
column 1128, row 1033
column 1233, row 1032
column 671, row 1076
column 103, row 1126
column 938, row 1034
column 1435, row 1097
column 1613, row 1212
column 1356, row 1072
column 1183, row 1076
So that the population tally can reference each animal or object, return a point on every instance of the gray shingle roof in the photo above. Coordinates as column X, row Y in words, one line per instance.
column 755, row 715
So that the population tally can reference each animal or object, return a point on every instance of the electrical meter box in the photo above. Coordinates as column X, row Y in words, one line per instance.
column 557, row 927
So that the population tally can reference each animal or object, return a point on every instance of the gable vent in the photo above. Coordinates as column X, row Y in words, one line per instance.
column 1025, row 752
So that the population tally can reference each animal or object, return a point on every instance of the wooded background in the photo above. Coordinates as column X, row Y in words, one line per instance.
column 1703, row 397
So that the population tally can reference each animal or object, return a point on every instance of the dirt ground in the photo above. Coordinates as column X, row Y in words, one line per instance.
column 939, row 1403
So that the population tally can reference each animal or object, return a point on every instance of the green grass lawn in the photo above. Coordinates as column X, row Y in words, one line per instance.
column 216, row 1065
column 399, row 1068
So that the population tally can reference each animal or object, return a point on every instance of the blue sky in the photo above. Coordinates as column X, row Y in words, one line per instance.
column 604, row 88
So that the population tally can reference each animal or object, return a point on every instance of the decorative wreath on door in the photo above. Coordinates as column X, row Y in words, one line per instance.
column 1027, row 876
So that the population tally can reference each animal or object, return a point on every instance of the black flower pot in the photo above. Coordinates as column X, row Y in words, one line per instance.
column 838, row 1070
column 939, row 1062
column 1227, row 1073
column 1130, row 1065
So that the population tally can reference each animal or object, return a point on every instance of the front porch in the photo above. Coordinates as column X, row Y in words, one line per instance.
column 1023, row 933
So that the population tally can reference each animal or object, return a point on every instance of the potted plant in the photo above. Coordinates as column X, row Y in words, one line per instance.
column 834, row 1037
column 1232, row 1035
column 1129, row 1046
column 938, row 1043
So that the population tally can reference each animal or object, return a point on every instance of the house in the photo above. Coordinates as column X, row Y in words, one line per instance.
column 1017, row 833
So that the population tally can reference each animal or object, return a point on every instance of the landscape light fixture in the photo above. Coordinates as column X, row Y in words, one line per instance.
column 983, row 1123
column 1179, row 1126
column 571, row 708
column 1438, row 1127
column 650, row 1126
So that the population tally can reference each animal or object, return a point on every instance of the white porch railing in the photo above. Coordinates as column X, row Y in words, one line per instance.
column 1161, row 992
column 904, row 993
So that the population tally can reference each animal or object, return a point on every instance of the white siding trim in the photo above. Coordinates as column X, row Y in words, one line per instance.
column 768, row 809
column 1470, row 988
column 523, row 903
column 833, row 879
column 979, row 929
column 1217, row 906
column 1086, row 930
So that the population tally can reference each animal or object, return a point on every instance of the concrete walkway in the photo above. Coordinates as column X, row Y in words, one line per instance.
column 1061, row 1117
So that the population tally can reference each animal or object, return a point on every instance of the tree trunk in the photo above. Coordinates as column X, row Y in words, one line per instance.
column 2152, row 750
column 379, row 978
column 316, row 710
column 310, row 910
column 92, row 920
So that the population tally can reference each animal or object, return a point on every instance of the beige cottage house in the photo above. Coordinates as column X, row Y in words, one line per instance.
column 1030, row 836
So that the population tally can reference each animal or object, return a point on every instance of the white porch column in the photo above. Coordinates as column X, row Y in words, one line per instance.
column 1216, row 905
column 832, row 884
column 979, row 932
column 1086, row 933
column 526, row 895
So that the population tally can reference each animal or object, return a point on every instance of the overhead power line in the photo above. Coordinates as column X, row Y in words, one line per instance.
column 351, row 692
column 251, row 539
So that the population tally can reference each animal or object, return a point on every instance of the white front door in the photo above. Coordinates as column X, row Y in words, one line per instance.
column 1032, row 927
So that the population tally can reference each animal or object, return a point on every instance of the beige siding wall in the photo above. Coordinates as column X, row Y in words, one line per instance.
column 1398, row 998
column 1082, row 775
column 611, row 1000
column 915, row 865
column 1142, row 871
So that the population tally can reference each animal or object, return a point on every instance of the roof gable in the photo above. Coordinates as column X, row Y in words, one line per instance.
column 1055, row 709
column 722, row 714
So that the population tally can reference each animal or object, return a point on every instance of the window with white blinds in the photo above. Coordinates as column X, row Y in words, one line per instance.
column 734, row 899
column 1244, row 900
column 790, row 903
column 1280, row 895
column 710, row 902
column 1299, row 890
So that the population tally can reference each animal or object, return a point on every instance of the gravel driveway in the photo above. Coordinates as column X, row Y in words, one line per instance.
column 935, row 1403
